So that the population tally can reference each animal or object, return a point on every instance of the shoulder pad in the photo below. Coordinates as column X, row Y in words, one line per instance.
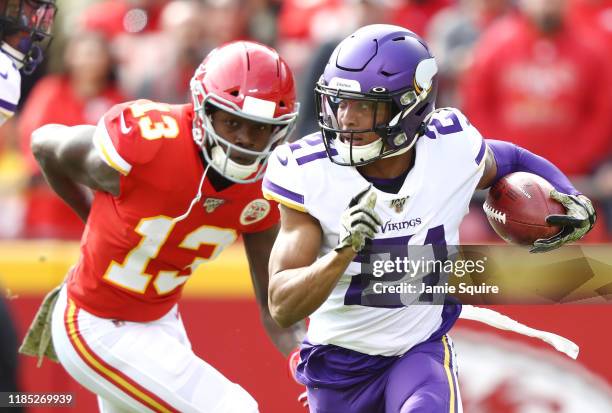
column 283, row 181
column 10, row 87
column 132, row 133
column 308, row 149
column 455, row 132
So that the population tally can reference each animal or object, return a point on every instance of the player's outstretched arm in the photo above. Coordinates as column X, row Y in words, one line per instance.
column 299, row 282
column 69, row 161
column 258, row 246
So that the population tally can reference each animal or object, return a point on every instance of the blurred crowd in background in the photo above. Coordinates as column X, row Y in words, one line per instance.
column 534, row 72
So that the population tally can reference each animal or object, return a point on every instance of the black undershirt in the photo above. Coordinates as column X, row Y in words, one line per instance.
column 218, row 181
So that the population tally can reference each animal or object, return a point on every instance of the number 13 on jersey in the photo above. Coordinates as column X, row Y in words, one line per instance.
column 155, row 231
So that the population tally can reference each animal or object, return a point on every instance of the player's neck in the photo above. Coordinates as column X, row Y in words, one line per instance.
column 389, row 168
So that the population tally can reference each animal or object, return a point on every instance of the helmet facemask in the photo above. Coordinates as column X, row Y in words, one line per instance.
column 395, row 138
column 218, row 151
column 34, row 17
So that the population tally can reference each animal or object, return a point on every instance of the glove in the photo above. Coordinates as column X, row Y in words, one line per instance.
column 292, row 362
column 359, row 221
column 579, row 220
column 37, row 342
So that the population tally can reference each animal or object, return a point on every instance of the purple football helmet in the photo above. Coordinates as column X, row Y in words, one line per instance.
column 31, row 21
column 384, row 64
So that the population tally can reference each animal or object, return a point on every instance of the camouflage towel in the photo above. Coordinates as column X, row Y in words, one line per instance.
column 37, row 342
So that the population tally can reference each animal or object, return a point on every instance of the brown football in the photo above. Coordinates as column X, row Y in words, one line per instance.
column 517, row 207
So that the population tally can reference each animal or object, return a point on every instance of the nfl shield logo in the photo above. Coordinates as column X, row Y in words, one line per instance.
column 398, row 204
column 210, row 204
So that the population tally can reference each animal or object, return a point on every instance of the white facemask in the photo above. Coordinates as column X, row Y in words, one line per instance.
column 364, row 153
column 361, row 153
column 230, row 168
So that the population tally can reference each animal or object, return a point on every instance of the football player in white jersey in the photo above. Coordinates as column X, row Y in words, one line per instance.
column 25, row 30
column 387, row 170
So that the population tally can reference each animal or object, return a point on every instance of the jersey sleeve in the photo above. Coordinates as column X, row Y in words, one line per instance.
column 461, row 139
column 283, row 181
column 123, row 139
column 10, row 88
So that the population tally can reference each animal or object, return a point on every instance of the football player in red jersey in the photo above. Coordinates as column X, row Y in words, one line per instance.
column 166, row 199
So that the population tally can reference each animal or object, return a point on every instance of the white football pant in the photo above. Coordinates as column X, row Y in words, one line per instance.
column 141, row 367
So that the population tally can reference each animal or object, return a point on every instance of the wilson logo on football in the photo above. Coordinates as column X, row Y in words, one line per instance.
column 254, row 212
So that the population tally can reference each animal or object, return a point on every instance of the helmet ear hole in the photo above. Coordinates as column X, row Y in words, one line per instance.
column 234, row 93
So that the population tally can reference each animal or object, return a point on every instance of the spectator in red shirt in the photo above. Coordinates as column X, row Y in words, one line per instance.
column 593, row 15
column 79, row 96
column 537, row 82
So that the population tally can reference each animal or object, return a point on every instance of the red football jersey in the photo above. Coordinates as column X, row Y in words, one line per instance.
column 135, row 254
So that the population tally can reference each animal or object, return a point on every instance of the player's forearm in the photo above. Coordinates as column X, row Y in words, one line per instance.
column 47, row 152
column 296, row 293
column 285, row 339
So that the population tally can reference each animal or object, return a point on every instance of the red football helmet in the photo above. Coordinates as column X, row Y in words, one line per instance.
column 249, row 80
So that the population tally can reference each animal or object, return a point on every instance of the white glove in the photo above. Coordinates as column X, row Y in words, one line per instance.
column 579, row 220
column 359, row 221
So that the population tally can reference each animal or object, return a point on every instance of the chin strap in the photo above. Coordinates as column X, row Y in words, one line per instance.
column 194, row 200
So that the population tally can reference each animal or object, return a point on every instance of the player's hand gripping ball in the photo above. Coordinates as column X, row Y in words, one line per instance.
column 359, row 221
column 578, row 220
column 525, row 209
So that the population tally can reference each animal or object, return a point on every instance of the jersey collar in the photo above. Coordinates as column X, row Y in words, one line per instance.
column 15, row 55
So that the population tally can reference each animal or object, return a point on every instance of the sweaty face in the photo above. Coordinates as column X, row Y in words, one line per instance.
column 359, row 115
column 243, row 133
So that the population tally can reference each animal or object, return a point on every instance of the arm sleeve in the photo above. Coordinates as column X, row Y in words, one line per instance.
column 512, row 158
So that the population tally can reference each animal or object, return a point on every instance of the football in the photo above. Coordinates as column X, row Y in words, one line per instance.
column 517, row 207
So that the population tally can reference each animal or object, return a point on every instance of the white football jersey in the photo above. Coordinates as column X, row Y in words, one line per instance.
column 427, row 210
column 10, row 87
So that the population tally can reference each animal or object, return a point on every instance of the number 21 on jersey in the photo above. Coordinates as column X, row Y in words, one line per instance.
column 155, row 231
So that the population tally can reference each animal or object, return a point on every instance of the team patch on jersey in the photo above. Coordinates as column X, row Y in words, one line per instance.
column 398, row 204
column 255, row 211
column 210, row 204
